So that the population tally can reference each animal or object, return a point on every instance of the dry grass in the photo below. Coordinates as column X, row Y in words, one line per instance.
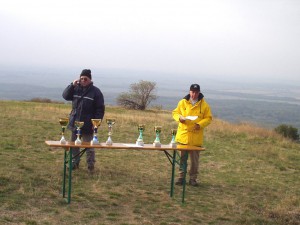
column 249, row 129
column 248, row 175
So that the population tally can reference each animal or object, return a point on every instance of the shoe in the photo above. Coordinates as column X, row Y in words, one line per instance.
column 75, row 166
column 193, row 182
column 179, row 182
column 91, row 168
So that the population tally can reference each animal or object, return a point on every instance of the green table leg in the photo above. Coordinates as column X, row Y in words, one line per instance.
column 173, row 173
column 70, row 176
column 64, row 174
column 184, row 165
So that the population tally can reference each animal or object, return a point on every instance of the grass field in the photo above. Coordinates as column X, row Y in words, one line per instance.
column 249, row 175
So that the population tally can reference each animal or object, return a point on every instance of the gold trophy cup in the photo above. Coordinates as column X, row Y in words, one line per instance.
column 156, row 142
column 110, row 123
column 64, row 123
column 141, row 129
column 173, row 142
column 78, row 125
column 96, row 123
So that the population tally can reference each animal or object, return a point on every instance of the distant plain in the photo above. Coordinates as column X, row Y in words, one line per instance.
column 264, row 103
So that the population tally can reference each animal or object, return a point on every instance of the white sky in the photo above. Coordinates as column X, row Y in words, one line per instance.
column 247, row 38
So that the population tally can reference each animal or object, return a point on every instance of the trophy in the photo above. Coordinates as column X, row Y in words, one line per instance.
column 110, row 123
column 63, row 122
column 173, row 142
column 79, row 125
column 96, row 123
column 156, row 142
column 140, row 141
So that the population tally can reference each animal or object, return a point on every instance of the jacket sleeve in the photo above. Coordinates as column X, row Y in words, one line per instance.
column 176, row 112
column 68, row 93
column 207, row 117
column 99, row 105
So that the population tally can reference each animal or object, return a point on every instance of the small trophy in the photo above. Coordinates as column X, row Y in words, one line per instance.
column 173, row 142
column 96, row 123
column 141, row 129
column 110, row 123
column 63, row 122
column 79, row 125
column 156, row 142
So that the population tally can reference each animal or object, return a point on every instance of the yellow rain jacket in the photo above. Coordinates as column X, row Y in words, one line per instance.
column 185, row 132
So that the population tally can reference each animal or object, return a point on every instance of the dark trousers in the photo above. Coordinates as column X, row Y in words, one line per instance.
column 90, row 152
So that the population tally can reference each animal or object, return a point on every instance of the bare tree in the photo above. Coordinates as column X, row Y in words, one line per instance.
column 139, row 96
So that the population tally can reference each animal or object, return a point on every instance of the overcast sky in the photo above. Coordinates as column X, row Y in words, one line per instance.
column 247, row 38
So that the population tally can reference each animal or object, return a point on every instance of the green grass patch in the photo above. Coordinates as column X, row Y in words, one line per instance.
column 247, row 176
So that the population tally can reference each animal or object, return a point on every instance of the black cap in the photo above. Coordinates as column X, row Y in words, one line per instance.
column 195, row 87
column 87, row 73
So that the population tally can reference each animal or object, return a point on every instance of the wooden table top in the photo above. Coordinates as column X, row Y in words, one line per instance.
column 124, row 146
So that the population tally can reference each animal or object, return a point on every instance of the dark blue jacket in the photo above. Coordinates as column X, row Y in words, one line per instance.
column 87, row 104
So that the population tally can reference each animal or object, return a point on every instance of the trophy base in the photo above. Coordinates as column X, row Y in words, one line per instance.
column 95, row 142
column 139, row 143
column 109, row 141
column 157, row 144
column 77, row 142
column 63, row 142
column 173, row 145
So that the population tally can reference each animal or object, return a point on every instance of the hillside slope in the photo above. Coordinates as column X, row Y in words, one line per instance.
column 249, row 175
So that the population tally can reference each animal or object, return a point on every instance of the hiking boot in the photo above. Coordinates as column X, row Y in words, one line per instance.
column 75, row 166
column 91, row 168
column 179, row 182
column 193, row 182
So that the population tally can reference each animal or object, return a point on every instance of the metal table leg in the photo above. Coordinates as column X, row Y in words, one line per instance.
column 67, row 160
column 64, row 173
column 184, row 165
column 182, row 162
column 173, row 173
column 70, row 176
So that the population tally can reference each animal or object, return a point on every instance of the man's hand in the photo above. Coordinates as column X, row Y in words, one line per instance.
column 182, row 119
column 196, row 127
column 76, row 82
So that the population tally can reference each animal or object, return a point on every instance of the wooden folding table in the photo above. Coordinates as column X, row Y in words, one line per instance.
column 173, row 157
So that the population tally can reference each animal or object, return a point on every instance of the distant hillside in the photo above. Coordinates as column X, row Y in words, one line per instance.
column 233, row 107
column 263, row 113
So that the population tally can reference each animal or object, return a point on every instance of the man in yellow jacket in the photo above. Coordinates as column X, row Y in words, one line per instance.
column 193, row 114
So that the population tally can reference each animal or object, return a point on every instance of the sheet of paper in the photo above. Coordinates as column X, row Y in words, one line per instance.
column 191, row 117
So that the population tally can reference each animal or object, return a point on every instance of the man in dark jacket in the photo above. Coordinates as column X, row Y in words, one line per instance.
column 87, row 103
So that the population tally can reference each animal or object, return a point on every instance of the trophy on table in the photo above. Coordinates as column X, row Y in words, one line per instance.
column 78, row 125
column 63, row 122
column 173, row 142
column 110, row 123
column 96, row 123
column 141, row 129
column 156, row 142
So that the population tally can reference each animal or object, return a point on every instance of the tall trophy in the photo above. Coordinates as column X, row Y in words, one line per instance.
column 173, row 142
column 156, row 142
column 96, row 123
column 110, row 123
column 141, row 129
column 63, row 122
column 78, row 125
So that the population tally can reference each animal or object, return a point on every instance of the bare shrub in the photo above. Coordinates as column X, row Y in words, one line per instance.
column 139, row 96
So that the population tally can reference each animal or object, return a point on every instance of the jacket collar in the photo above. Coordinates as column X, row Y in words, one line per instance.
column 187, row 97
column 87, row 87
